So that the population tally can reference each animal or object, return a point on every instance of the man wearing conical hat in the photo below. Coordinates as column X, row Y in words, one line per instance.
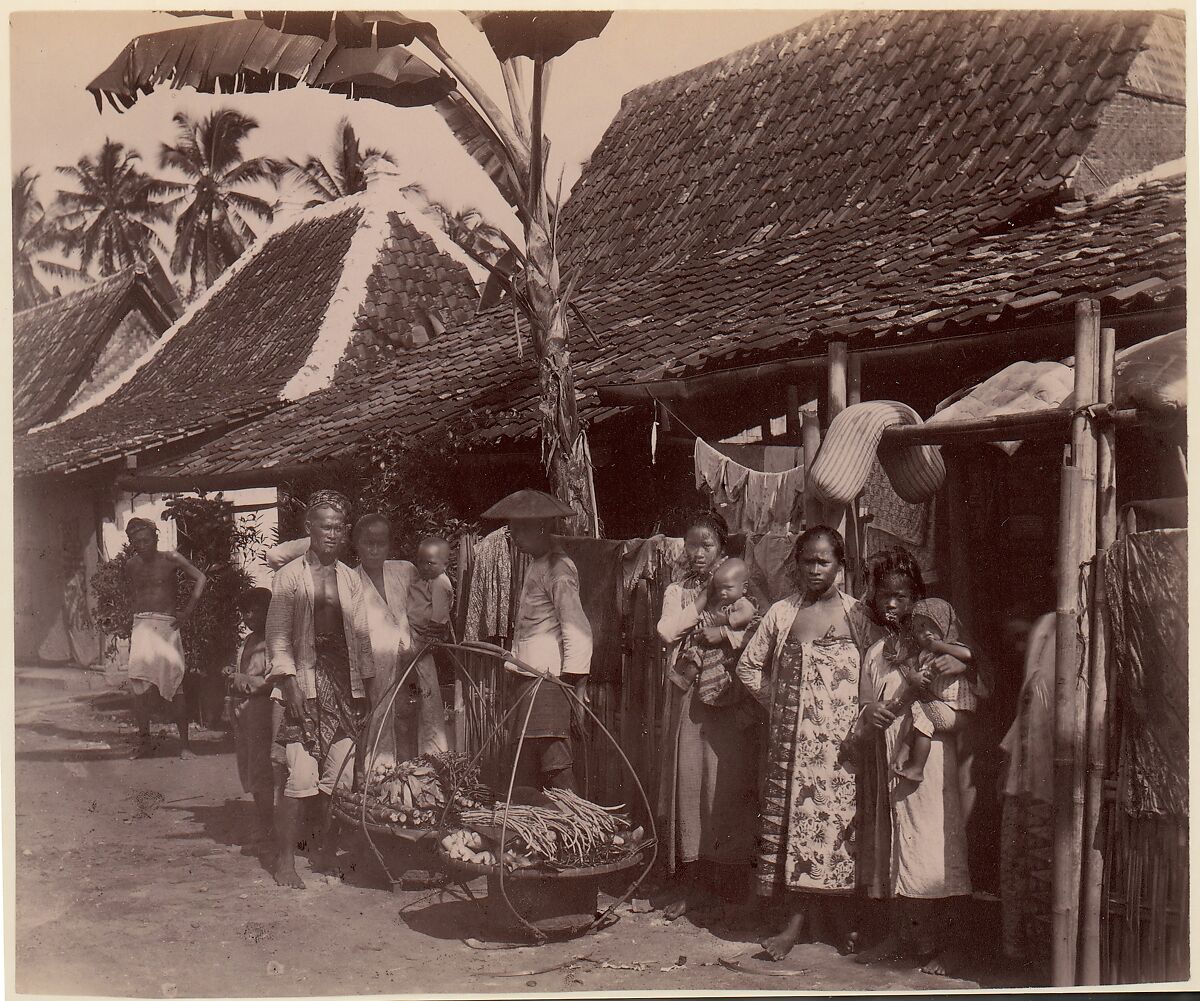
column 551, row 634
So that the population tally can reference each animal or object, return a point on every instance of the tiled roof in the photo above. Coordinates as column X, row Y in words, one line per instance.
column 324, row 292
column 852, row 119
column 761, row 302
column 56, row 343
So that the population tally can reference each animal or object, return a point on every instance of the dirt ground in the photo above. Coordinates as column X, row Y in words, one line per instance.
column 132, row 880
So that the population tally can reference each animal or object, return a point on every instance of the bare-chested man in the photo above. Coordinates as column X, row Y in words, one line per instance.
column 156, row 664
column 319, row 644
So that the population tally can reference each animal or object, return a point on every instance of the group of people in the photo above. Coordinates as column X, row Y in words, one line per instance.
column 842, row 725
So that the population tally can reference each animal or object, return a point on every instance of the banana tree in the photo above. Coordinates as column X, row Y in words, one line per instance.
column 370, row 56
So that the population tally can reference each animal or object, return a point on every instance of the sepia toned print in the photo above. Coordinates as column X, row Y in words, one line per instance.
column 584, row 501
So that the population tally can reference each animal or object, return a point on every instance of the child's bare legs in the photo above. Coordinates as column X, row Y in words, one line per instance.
column 287, row 832
column 913, row 768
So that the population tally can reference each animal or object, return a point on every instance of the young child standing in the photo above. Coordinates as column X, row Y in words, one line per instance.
column 942, row 700
column 253, row 712
column 710, row 652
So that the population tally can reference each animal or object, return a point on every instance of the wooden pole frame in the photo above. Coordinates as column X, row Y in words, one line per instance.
column 837, row 393
column 1076, row 546
column 810, row 437
column 1092, row 878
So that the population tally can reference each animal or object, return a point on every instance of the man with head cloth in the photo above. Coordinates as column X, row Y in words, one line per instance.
column 319, row 645
column 552, row 634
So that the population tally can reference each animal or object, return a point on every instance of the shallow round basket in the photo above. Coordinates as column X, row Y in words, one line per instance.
column 556, row 903
column 474, row 870
column 354, row 817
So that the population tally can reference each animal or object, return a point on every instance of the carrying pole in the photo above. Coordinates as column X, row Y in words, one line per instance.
column 1097, row 710
column 1076, row 546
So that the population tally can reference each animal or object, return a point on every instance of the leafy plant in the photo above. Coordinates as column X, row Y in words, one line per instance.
column 212, row 538
column 414, row 485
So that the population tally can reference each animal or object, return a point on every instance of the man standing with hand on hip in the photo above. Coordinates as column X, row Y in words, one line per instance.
column 156, row 664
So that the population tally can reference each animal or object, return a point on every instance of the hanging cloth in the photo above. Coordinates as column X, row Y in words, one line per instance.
column 750, row 500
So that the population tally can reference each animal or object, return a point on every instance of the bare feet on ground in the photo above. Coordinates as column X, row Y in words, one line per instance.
column 186, row 754
column 942, row 964
column 676, row 909
column 286, row 875
column 143, row 747
column 778, row 946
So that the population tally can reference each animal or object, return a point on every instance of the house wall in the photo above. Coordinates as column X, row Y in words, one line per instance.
column 1136, row 133
column 63, row 534
column 129, row 341
column 55, row 556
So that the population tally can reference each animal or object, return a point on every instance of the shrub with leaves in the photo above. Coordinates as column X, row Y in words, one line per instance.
column 416, row 486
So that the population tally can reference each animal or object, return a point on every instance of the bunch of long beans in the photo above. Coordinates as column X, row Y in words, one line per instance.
column 571, row 831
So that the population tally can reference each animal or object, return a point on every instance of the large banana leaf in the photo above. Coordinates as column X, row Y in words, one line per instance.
column 544, row 33
column 251, row 56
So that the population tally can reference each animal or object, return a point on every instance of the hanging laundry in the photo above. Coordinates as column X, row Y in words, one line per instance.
column 710, row 468
column 891, row 513
column 489, row 606
column 749, row 500
column 770, row 559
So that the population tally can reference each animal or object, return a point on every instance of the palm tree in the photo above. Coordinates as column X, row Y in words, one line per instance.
column 211, row 229
column 34, row 231
column 483, row 242
column 347, row 172
column 110, row 221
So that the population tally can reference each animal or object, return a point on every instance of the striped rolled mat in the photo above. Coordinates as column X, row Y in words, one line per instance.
column 840, row 471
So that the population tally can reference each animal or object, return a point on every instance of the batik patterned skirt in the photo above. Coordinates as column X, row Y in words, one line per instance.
column 806, row 839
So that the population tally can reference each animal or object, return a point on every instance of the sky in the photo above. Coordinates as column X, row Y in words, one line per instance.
column 54, row 55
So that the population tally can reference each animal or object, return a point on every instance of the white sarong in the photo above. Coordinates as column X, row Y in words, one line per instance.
column 156, row 654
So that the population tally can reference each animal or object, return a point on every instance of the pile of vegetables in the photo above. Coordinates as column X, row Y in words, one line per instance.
column 421, row 792
column 570, row 832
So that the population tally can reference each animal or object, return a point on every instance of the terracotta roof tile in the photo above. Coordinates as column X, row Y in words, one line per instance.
column 649, row 329
column 950, row 100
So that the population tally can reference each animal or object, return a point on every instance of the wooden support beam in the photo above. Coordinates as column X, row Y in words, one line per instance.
column 836, row 395
column 838, row 366
column 1092, row 901
column 958, row 541
column 854, row 379
column 811, row 436
column 1076, row 546
column 1006, row 427
column 795, row 419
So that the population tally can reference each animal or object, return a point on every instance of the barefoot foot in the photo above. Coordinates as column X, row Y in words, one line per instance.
column 675, row 909
column 778, row 946
column 911, row 772
column 286, row 875
column 186, row 754
column 942, row 963
column 143, row 748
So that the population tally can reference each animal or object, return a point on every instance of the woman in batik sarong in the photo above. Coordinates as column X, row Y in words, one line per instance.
column 706, row 788
column 912, row 836
column 803, row 666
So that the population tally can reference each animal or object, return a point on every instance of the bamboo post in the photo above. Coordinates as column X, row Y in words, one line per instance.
column 1097, row 713
column 1076, row 545
column 810, row 432
column 836, row 395
column 854, row 379
column 794, row 417
column 958, row 541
